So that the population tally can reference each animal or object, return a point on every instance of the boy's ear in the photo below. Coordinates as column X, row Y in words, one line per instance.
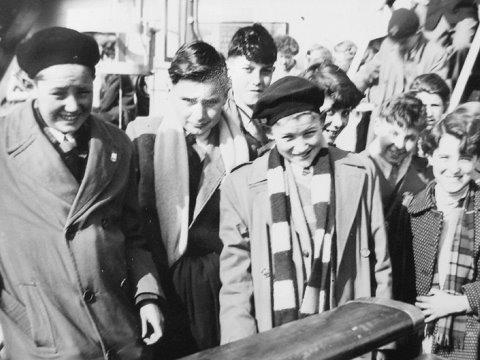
column 429, row 160
column 267, row 130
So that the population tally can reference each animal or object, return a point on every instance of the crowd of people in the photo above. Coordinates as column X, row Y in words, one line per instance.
column 236, row 210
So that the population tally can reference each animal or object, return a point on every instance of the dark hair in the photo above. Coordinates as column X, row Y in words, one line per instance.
column 405, row 110
column 464, row 128
column 255, row 43
column 336, row 84
column 286, row 45
column 199, row 61
column 432, row 84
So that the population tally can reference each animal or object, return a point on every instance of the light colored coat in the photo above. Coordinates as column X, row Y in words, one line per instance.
column 363, row 265
column 72, row 259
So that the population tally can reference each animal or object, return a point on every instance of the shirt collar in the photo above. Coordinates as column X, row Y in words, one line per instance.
column 386, row 168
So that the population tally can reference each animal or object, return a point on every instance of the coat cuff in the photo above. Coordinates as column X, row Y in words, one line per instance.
column 141, row 299
column 472, row 291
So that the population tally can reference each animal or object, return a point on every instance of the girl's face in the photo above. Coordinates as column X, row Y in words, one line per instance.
column 452, row 170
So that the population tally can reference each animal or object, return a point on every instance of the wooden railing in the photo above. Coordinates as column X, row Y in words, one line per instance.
column 351, row 330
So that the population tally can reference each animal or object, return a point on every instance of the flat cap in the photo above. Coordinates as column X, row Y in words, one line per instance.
column 288, row 96
column 55, row 46
column 402, row 24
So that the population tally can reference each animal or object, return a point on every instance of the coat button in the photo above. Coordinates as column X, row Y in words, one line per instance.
column 105, row 222
column 111, row 355
column 70, row 232
column 305, row 253
column 365, row 252
column 89, row 296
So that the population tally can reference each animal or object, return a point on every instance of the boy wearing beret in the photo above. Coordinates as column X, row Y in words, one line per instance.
column 78, row 281
column 302, row 225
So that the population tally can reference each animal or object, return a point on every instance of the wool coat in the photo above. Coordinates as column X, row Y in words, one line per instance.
column 418, row 244
column 363, row 263
column 72, row 258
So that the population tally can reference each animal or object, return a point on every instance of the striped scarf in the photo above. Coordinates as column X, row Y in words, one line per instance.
column 285, row 287
column 449, row 331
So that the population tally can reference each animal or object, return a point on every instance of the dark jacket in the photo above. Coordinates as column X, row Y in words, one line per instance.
column 72, row 258
column 453, row 10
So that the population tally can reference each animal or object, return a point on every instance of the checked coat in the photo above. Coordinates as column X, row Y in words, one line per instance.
column 419, row 246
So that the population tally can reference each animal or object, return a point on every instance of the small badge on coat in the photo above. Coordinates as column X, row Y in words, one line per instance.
column 113, row 157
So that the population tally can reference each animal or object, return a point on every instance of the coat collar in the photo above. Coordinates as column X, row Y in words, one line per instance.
column 41, row 162
column 212, row 175
column 349, row 171
column 103, row 158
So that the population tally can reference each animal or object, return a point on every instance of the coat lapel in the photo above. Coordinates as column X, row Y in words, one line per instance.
column 349, row 180
column 212, row 176
column 38, row 160
column 103, row 158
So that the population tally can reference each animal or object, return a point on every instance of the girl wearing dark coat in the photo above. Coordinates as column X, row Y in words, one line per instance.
column 444, row 237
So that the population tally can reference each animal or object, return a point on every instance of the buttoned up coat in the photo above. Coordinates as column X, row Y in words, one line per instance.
column 72, row 259
column 363, row 263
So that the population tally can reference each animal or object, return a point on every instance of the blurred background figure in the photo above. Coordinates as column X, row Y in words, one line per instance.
column 343, row 54
column 111, row 87
column 287, row 49
column 318, row 54
column 452, row 24
column 434, row 93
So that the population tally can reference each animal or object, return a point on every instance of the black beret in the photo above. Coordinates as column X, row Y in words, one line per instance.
column 55, row 46
column 288, row 96
column 402, row 24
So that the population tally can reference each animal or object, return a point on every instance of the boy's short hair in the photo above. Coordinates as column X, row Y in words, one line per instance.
column 464, row 128
column 406, row 111
column 433, row 84
column 336, row 84
column 287, row 45
column 199, row 61
column 255, row 43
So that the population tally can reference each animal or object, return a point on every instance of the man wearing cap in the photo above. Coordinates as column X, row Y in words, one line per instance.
column 77, row 279
column 403, row 55
column 302, row 225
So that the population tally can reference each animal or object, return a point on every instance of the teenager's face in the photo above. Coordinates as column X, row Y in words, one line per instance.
column 452, row 170
column 298, row 137
column 64, row 96
column 335, row 121
column 434, row 107
column 199, row 105
column 285, row 61
column 396, row 142
column 249, row 79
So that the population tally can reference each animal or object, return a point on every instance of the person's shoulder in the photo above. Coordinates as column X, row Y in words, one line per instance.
column 118, row 136
column 361, row 160
column 250, row 172
column 143, row 125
